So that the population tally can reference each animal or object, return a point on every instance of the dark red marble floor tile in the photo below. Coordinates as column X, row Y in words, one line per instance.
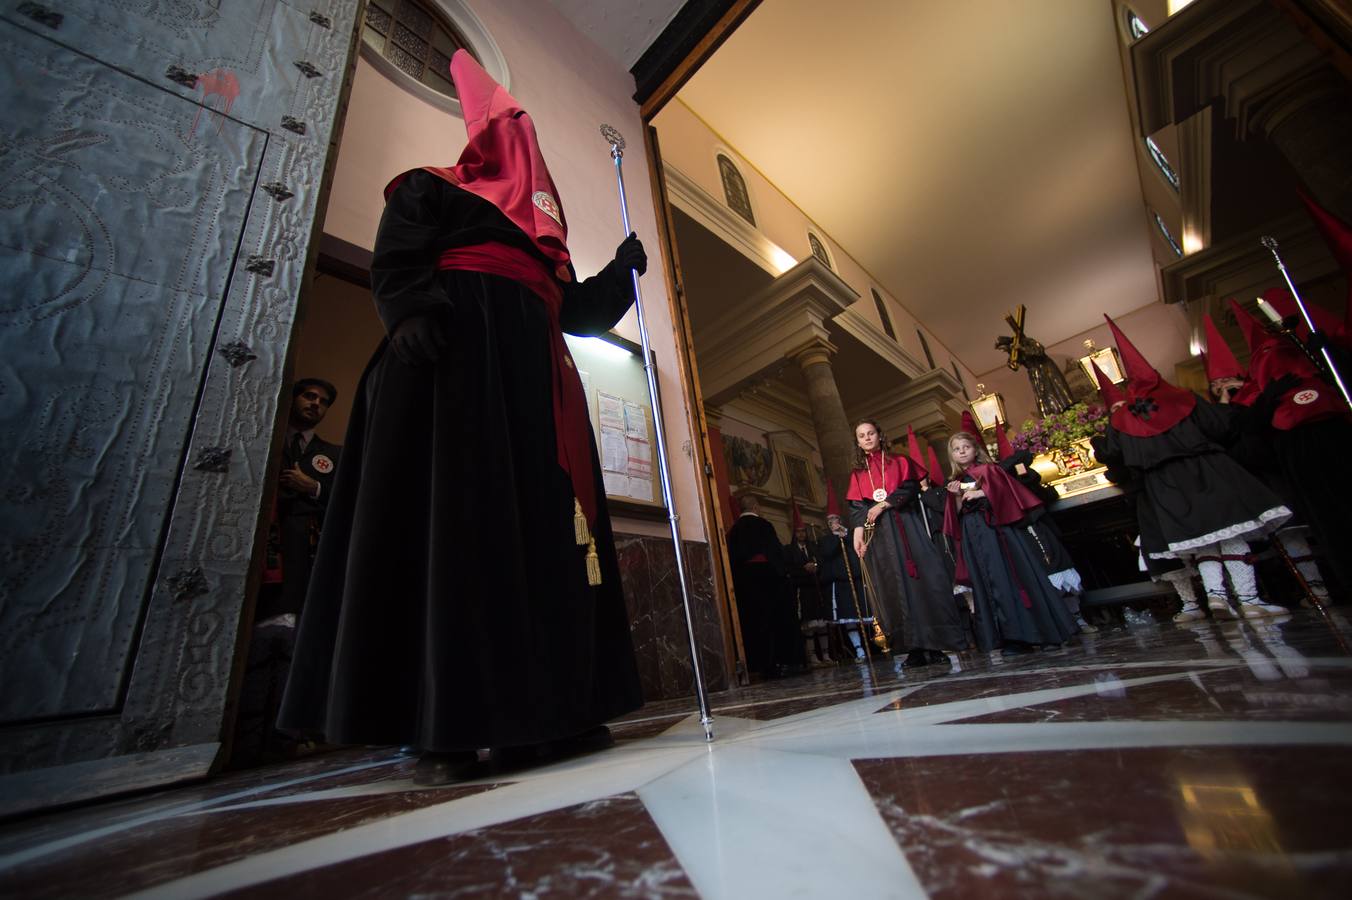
column 182, row 845
column 1145, row 822
column 1324, row 695
column 607, row 848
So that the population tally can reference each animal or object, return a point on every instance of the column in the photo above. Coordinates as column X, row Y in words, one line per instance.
column 1310, row 124
column 835, row 438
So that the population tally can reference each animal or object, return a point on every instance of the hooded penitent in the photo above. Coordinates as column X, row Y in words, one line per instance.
column 913, row 447
column 1153, row 405
column 969, row 424
column 502, row 164
column 1270, row 357
column 832, row 501
column 1110, row 392
column 936, row 474
column 1220, row 361
column 1338, row 235
column 797, row 517
column 1002, row 445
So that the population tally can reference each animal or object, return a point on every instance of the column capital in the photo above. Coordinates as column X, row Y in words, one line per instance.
column 816, row 351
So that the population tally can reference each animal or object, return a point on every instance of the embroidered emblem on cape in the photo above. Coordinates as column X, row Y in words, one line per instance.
column 1143, row 408
column 1306, row 397
column 547, row 205
column 323, row 465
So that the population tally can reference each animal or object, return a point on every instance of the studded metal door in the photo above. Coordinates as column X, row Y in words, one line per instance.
column 161, row 169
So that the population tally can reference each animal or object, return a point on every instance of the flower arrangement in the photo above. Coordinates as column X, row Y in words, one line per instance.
column 1059, row 431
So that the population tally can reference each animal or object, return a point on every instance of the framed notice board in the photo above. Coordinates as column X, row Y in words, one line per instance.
column 621, row 414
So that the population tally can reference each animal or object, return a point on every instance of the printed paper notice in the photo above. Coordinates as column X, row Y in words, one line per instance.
column 640, row 458
column 614, row 453
column 610, row 411
column 635, row 421
column 617, row 484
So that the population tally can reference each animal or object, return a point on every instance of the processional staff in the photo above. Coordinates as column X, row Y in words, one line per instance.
column 1316, row 338
column 616, row 141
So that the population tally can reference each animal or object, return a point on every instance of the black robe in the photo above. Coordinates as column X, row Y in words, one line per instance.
column 765, row 605
column 813, row 603
column 1192, row 493
column 842, row 577
column 1014, row 599
column 916, row 612
column 1039, row 529
column 449, row 606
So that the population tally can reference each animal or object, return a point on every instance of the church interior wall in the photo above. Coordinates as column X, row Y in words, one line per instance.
column 570, row 86
column 691, row 146
column 336, row 337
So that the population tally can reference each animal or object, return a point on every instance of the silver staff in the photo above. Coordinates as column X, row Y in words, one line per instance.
column 616, row 141
column 1271, row 243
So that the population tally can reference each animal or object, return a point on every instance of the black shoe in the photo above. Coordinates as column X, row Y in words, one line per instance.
column 1015, row 648
column 938, row 658
column 434, row 769
column 915, row 659
column 525, row 756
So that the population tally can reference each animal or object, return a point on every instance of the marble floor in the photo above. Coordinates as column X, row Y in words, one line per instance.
column 1210, row 760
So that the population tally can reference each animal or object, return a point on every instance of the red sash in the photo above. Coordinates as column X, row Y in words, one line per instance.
column 572, row 426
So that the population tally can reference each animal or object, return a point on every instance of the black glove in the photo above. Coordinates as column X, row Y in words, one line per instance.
column 630, row 255
column 1267, row 401
column 418, row 340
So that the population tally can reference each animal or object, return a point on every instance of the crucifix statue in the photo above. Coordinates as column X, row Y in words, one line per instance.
column 1049, row 385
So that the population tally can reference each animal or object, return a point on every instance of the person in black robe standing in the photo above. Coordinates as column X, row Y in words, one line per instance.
column 422, row 626
column 843, row 578
column 764, row 602
column 911, row 589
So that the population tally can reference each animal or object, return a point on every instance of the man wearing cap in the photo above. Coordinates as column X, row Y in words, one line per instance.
column 308, row 466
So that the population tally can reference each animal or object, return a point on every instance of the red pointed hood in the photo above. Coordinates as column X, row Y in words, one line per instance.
column 797, row 517
column 969, row 423
column 1255, row 335
column 936, row 474
column 1338, row 235
column 913, row 446
column 1271, row 357
column 832, row 501
column 502, row 162
column 1153, row 405
column 1002, row 444
column 1110, row 392
column 1220, row 360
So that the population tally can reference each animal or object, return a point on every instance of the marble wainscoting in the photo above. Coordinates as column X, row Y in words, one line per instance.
column 657, row 621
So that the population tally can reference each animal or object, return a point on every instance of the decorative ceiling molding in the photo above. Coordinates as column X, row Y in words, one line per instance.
column 862, row 329
column 925, row 403
column 706, row 209
column 1242, row 267
column 1243, row 52
column 787, row 317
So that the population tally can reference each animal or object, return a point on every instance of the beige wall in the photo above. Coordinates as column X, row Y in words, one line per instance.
column 691, row 146
column 334, row 341
column 570, row 87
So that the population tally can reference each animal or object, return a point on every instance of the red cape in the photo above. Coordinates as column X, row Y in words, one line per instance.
column 502, row 162
column 898, row 469
column 1010, row 502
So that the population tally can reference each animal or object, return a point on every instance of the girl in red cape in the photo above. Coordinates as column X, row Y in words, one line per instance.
column 1017, row 608
column 913, row 593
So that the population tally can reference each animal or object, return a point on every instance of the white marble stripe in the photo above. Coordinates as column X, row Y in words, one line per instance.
column 748, row 823
column 578, row 781
column 979, row 706
column 374, row 789
column 47, row 848
column 881, row 742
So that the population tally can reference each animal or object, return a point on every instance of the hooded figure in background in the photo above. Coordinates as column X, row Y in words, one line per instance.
column 1195, row 502
column 466, row 593
column 1292, row 424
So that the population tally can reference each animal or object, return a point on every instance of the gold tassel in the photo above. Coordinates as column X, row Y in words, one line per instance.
column 593, row 564
column 580, row 532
